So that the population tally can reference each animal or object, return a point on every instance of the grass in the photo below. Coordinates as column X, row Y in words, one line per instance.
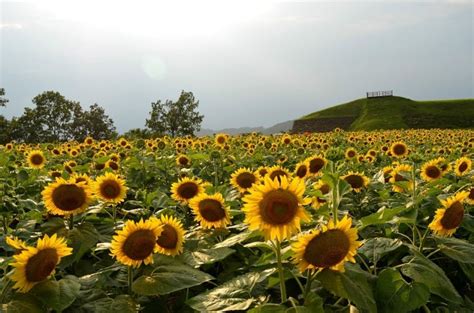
column 400, row 113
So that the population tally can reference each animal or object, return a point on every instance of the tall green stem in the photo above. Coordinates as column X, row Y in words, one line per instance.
column 281, row 274
column 335, row 201
column 71, row 221
column 5, row 224
column 309, row 280
column 130, row 279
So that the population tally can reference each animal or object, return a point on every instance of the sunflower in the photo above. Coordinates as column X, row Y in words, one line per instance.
column 66, row 197
column 430, row 171
column 398, row 177
column 221, row 139
column 89, row 141
column 449, row 217
column 243, row 179
column 316, row 163
column 210, row 210
column 82, row 178
column 186, row 189
column 261, row 172
column 350, row 153
column 470, row 197
column 356, row 180
column 387, row 173
column 135, row 243
column 324, row 188
column 276, row 207
column 36, row 264
column 112, row 165
column 329, row 247
column 399, row 149
column 36, row 159
column 277, row 171
column 302, row 169
column 171, row 239
column 462, row 166
column 443, row 165
column 183, row 160
column 110, row 188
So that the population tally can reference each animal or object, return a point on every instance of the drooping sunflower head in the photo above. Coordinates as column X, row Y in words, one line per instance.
column 462, row 166
column 66, row 197
column 329, row 247
column 401, row 173
column 431, row 171
column 36, row 159
column 135, row 243
column 276, row 207
column 210, row 210
column 356, row 180
column 449, row 217
column 171, row 239
column 302, row 169
column 183, row 160
column 399, row 149
column 324, row 188
column 186, row 189
column 110, row 188
column 36, row 264
column 243, row 179
column 316, row 164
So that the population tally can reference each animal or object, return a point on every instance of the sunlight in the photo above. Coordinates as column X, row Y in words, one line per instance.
column 182, row 18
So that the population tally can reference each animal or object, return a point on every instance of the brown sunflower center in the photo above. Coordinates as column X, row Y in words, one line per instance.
column 399, row 177
column 351, row 153
column 211, row 210
column 246, row 180
column 302, row 171
column 36, row 159
column 278, row 207
column 356, row 181
column 220, row 139
column 188, row 190
column 69, row 197
column 113, row 165
column 41, row 265
column 327, row 249
column 183, row 161
column 315, row 165
column 433, row 171
column 462, row 167
column 277, row 174
column 471, row 194
column 139, row 244
column 453, row 215
column 399, row 149
column 325, row 189
column 168, row 238
column 110, row 189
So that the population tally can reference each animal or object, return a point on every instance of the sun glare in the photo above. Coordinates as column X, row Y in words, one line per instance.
column 201, row 18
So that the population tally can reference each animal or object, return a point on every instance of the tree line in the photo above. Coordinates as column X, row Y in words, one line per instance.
column 53, row 118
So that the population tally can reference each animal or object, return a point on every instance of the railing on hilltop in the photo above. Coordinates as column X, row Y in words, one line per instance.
column 378, row 94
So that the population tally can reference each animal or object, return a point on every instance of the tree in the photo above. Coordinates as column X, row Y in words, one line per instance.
column 55, row 118
column 178, row 118
column 3, row 100
column 94, row 123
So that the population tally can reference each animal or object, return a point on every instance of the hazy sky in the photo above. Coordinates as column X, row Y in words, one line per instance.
column 249, row 62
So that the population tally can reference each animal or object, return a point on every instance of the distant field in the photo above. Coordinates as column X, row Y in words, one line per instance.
column 400, row 113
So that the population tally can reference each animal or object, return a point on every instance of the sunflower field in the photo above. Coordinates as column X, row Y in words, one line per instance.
column 323, row 222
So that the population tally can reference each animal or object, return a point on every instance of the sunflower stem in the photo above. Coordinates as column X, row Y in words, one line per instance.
column 335, row 204
column 71, row 221
column 422, row 240
column 114, row 214
column 280, row 271
column 130, row 279
column 309, row 280
column 5, row 224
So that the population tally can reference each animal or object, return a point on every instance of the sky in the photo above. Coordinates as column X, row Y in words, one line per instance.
column 248, row 62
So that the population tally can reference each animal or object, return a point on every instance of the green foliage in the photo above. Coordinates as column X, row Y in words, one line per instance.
column 178, row 118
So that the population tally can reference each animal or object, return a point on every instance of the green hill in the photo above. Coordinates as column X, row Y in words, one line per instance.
column 395, row 113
